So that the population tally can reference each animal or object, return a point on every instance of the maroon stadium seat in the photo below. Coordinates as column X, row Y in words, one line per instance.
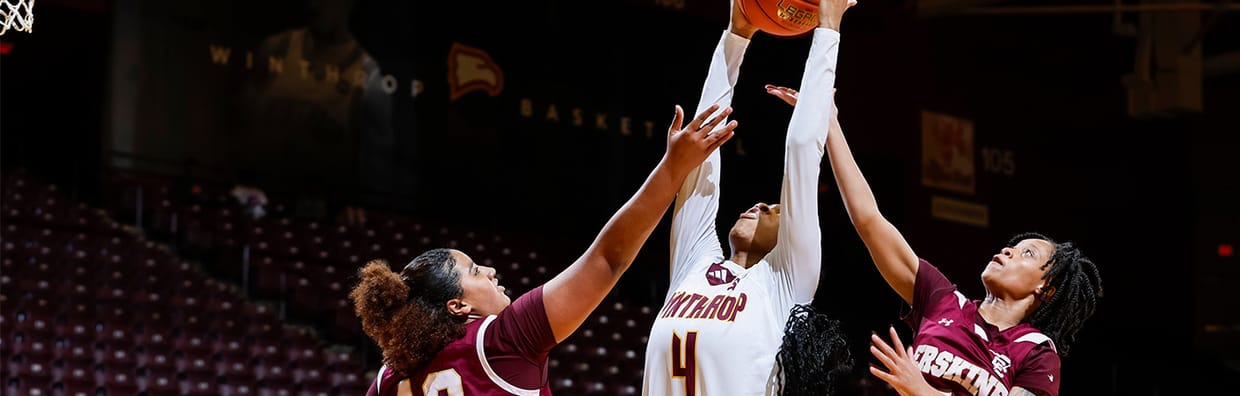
column 120, row 383
column 31, row 374
column 79, row 355
column 161, row 381
column 119, row 360
column 199, row 387
column 157, row 362
column 274, row 376
column 80, row 389
column 196, row 368
column 269, row 276
column 82, row 377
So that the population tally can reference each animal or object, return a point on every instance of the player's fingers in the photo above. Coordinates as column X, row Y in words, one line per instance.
column 896, row 345
column 882, row 375
column 718, row 133
column 677, row 120
column 701, row 117
column 883, row 357
column 878, row 342
column 721, row 136
column 710, row 125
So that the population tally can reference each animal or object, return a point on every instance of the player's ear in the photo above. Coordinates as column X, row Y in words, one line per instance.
column 458, row 307
column 1045, row 291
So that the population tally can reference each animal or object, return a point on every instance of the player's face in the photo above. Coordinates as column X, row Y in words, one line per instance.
column 1016, row 272
column 482, row 292
column 757, row 229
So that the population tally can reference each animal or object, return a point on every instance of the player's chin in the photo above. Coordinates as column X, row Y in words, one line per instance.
column 990, row 274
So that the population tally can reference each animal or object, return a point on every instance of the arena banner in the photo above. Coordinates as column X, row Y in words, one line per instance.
column 947, row 154
column 349, row 100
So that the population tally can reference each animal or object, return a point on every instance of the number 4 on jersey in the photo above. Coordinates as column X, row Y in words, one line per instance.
column 684, row 365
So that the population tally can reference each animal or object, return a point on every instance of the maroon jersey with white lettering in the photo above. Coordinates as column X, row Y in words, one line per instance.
column 504, row 354
column 959, row 353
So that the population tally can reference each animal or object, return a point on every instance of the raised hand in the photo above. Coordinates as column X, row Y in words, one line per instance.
column 788, row 95
column 830, row 12
column 902, row 372
column 738, row 23
column 687, row 147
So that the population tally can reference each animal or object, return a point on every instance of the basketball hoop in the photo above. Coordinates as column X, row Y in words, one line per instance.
column 17, row 15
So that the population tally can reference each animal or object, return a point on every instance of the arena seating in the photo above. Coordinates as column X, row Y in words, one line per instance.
column 90, row 307
column 198, row 298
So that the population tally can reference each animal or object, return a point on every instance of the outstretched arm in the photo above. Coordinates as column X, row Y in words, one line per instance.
column 798, row 253
column 574, row 293
column 892, row 254
column 797, row 257
column 697, row 202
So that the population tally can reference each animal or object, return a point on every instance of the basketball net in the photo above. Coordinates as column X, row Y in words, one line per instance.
column 16, row 15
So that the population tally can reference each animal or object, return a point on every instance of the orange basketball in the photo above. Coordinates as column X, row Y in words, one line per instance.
column 782, row 17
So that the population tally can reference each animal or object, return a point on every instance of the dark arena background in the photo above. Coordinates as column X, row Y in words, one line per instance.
column 513, row 130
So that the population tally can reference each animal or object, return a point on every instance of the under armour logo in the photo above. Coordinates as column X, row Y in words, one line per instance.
column 946, row 322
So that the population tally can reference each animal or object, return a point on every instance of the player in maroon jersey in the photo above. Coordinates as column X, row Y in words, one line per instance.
column 445, row 325
column 1038, row 294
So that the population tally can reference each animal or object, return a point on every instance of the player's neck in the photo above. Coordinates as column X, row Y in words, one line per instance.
column 746, row 259
column 1003, row 313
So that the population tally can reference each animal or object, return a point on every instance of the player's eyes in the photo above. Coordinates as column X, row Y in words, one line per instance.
column 1028, row 252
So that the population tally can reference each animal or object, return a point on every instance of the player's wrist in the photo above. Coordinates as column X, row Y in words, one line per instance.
column 829, row 23
column 743, row 30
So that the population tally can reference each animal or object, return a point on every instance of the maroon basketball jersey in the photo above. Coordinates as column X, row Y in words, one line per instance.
column 958, row 351
column 503, row 354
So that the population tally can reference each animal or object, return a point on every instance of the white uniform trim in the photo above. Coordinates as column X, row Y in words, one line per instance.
column 1037, row 338
column 379, row 378
column 961, row 299
column 980, row 332
column 486, row 366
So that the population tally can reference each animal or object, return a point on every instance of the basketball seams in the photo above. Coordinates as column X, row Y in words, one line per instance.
column 767, row 19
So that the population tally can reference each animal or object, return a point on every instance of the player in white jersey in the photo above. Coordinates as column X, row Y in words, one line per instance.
column 723, row 319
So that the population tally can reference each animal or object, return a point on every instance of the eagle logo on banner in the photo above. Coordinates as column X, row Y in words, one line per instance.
column 471, row 69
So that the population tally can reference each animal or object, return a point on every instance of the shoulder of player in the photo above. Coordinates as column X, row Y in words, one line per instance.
column 1036, row 342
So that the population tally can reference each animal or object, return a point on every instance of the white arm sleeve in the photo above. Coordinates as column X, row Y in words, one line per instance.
column 693, row 219
column 796, row 260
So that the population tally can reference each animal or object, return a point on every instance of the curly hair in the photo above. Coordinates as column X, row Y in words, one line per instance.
column 1075, row 287
column 407, row 314
column 813, row 354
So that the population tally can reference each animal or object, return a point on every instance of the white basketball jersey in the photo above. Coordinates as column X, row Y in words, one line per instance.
column 721, row 324
column 717, row 334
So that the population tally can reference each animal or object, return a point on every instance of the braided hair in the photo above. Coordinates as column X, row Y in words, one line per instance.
column 1074, row 289
column 406, row 314
column 813, row 354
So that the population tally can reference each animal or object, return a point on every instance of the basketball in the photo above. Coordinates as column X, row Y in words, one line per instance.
column 782, row 17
